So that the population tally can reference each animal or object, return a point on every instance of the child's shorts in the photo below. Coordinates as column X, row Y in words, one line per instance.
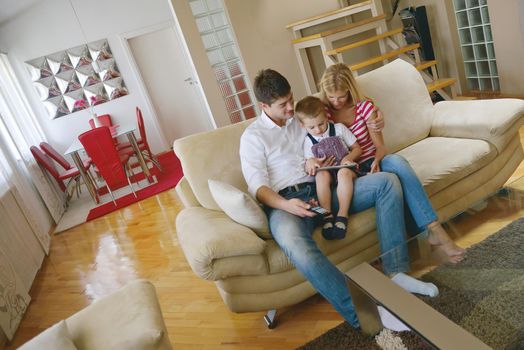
column 365, row 167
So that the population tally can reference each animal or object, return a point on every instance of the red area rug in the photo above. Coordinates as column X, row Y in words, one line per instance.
column 168, row 178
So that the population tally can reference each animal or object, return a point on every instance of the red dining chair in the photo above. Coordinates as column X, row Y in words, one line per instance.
column 57, row 157
column 111, row 165
column 47, row 163
column 143, row 145
column 104, row 119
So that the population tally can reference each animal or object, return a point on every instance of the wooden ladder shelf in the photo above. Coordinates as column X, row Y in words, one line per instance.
column 387, row 55
column 345, row 48
column 389, row 40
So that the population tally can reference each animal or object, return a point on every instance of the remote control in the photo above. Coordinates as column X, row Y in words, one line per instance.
column 319, row 210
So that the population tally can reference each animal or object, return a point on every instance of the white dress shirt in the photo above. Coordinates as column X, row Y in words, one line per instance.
column 273, row 156
column 340, row 130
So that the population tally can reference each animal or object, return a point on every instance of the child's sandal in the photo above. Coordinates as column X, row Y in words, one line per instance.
column 327, row 227
column 340, row 228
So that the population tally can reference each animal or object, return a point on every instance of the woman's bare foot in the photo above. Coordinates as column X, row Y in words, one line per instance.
column 439, row 237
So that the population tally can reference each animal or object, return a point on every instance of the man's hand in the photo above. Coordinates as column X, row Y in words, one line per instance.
column 376, row 122
column 298, row 207
column 313, row 163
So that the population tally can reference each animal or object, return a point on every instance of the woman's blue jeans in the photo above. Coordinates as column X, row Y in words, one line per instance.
column 294, row 236
column 419, row 211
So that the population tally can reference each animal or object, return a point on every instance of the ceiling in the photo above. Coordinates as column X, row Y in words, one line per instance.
column 11, row 8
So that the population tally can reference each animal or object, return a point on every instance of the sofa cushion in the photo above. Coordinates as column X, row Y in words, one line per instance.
column 57, row 338
column 441, row 161
column 401, row 94
column 240, row 207
column 212, row 155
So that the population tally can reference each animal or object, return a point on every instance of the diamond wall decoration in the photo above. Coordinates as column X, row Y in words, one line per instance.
column 96, row 94
column 47, row 88
column 71, row 80
column 56, row 106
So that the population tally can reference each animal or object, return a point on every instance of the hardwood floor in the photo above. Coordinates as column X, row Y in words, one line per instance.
column 140, row 241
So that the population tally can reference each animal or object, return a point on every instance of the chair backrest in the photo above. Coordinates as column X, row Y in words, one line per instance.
column 48, row 164
column 51, row 152
column 141, row 127
column 104, row 120
column 100, row 147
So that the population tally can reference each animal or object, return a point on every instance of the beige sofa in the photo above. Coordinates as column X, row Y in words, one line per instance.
column 128, row 319
column 461, row 150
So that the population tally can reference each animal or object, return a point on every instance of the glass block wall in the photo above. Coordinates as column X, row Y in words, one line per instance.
column 476, row 43
column 224, row 57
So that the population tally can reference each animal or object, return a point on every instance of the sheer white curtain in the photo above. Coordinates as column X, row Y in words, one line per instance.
column 21, row 252
column 25, row 221
column 15, row 182
column 22, row 130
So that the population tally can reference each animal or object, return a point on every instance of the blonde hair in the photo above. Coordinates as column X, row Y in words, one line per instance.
column 338, row 77
column 309, row 108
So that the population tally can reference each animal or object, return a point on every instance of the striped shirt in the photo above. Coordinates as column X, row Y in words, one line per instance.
column 363, row 111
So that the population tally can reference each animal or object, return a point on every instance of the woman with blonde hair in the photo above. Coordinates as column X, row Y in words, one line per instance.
column 347, row 105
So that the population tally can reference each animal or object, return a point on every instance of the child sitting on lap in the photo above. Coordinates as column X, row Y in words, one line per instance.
column 326, row 141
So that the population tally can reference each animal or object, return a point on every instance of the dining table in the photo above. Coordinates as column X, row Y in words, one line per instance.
column 116, row 131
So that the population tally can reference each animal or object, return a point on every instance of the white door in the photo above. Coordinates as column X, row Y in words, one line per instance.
column 171, row 84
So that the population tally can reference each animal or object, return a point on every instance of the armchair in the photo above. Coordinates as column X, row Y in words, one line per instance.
column 129, row 318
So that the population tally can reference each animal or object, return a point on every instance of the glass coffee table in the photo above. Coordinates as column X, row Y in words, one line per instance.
column 462, row 288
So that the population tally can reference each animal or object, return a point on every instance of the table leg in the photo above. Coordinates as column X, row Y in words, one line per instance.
column 87, row 179
column 141, row 161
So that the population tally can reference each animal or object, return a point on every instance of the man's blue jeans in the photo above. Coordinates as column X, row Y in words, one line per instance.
column 294, row 236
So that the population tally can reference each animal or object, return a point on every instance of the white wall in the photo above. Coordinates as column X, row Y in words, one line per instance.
column 51, row 26
column 263, row 39
column 508, row 40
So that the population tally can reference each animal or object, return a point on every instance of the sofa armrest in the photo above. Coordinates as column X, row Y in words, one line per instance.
column 207, row 236
column 185, row 193
column 494, row 120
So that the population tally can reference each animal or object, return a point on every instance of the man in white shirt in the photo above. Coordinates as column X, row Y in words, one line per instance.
column 273, row 165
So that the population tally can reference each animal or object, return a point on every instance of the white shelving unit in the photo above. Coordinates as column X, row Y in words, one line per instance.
column 476, row 42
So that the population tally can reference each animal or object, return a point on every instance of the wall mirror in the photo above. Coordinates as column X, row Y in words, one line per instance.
column 72, row 80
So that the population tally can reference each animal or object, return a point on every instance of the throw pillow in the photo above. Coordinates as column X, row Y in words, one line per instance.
column 57, row 338
column 240, row 207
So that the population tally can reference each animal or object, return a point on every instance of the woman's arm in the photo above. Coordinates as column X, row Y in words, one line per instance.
column 376, row 122
column 378, row 141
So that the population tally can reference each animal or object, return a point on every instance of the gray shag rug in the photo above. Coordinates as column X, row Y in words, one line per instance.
column 484, row 294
